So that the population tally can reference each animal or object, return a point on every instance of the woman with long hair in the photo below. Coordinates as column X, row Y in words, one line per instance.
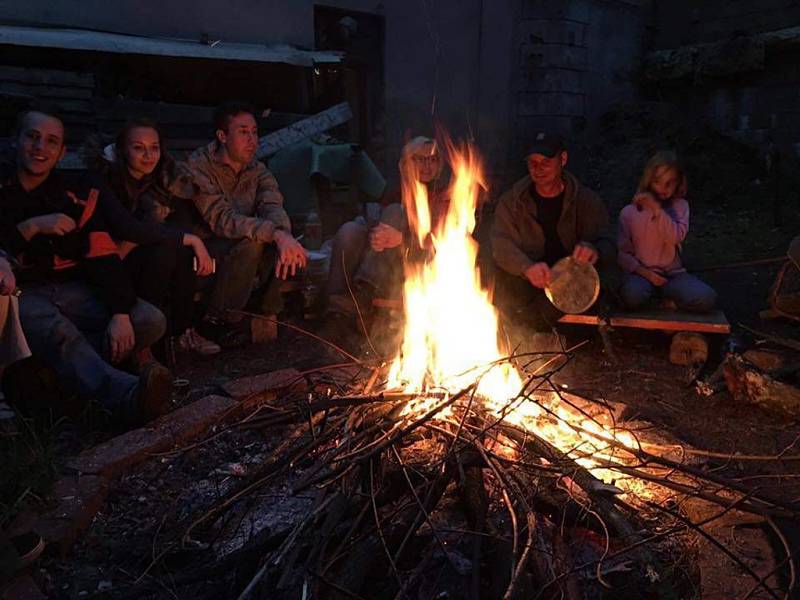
column 151, row 222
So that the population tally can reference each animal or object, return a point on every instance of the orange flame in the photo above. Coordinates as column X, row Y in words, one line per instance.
column 450, row 336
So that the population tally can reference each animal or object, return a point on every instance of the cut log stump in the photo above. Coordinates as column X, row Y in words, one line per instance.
column 688, row 349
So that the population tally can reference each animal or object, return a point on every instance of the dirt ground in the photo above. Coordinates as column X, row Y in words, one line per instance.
column 733, row 222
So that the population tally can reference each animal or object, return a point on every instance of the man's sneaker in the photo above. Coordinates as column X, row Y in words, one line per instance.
column 193, row 342
column 227, row 335
column 155, row 390
column 28, row 546
column 263, row 330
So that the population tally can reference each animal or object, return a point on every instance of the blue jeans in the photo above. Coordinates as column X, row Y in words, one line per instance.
column 687, row 291
column 65, row 324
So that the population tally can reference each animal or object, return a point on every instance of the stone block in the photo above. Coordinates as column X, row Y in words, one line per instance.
column 190, row 421
column 551, row 103
column 283, row 380
column 535, row 57
column 77, row 498
column 573, row 10
column 112, row 457
column 547, row 31
column 553, row 80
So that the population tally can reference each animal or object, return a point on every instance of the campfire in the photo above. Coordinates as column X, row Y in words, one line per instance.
column 465, row 469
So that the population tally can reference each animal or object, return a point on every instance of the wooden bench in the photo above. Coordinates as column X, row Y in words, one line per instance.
column 659, row 319
column 688, row 346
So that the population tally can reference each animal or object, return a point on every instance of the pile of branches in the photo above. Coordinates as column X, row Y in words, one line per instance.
column 453, row 501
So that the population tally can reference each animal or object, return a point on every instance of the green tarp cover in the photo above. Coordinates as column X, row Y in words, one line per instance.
column 294, row 166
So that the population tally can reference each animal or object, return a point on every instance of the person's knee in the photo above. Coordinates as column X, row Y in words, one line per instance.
column 700, row 300
column 149, row 323
column 248, row 250
column 394, row 215
column 350, row 235
column 238, row 251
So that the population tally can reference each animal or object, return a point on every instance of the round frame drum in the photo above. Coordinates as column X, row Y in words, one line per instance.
column 573, row 287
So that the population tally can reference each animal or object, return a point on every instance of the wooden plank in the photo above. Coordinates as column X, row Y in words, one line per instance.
column 168, row 114
column 46, row 77
column 665, row 320
column 63, row 105
column 581, row 320
column 45, row 91
column 331, row 117
column 98, row 41
column 164, row 113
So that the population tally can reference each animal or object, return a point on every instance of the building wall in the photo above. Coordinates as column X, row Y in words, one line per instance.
column 574, row 60
column 501, row 71
column 681, row 22
column 758, row 106
column 447, row 62
column 255, row 21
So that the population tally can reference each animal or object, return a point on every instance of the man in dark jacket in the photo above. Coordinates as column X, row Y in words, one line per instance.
column 77, row 301
column 544, row 217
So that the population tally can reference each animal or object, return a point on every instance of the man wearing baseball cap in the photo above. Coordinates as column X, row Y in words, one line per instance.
column 544, row 217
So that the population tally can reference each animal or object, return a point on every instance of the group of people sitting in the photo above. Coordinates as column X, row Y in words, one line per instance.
column 100, row 270
column 546, row 216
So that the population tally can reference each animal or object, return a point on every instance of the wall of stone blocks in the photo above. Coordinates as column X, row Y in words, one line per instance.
column 758, row 107
column 681, row 22
column 574, row 60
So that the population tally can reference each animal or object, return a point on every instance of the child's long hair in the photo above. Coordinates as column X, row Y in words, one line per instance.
column 664, row 158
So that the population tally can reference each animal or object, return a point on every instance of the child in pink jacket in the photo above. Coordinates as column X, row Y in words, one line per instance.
column 651, row 230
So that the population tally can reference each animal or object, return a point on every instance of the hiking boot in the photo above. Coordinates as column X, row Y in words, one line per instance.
column 155, row 390
column 192, row 342
column 28, row 546
column 263, row 329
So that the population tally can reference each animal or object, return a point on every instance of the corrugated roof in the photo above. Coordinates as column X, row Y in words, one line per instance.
column 79, row 39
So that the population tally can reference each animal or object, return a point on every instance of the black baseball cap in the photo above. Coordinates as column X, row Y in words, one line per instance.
column 547, row 144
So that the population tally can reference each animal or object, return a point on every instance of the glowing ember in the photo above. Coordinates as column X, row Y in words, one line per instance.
column 451, row 327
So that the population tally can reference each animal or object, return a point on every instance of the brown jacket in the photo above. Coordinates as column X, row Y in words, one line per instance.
column 517, row 236
column 245, row 205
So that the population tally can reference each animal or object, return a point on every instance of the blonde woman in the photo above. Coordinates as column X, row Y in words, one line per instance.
column 368, row 261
